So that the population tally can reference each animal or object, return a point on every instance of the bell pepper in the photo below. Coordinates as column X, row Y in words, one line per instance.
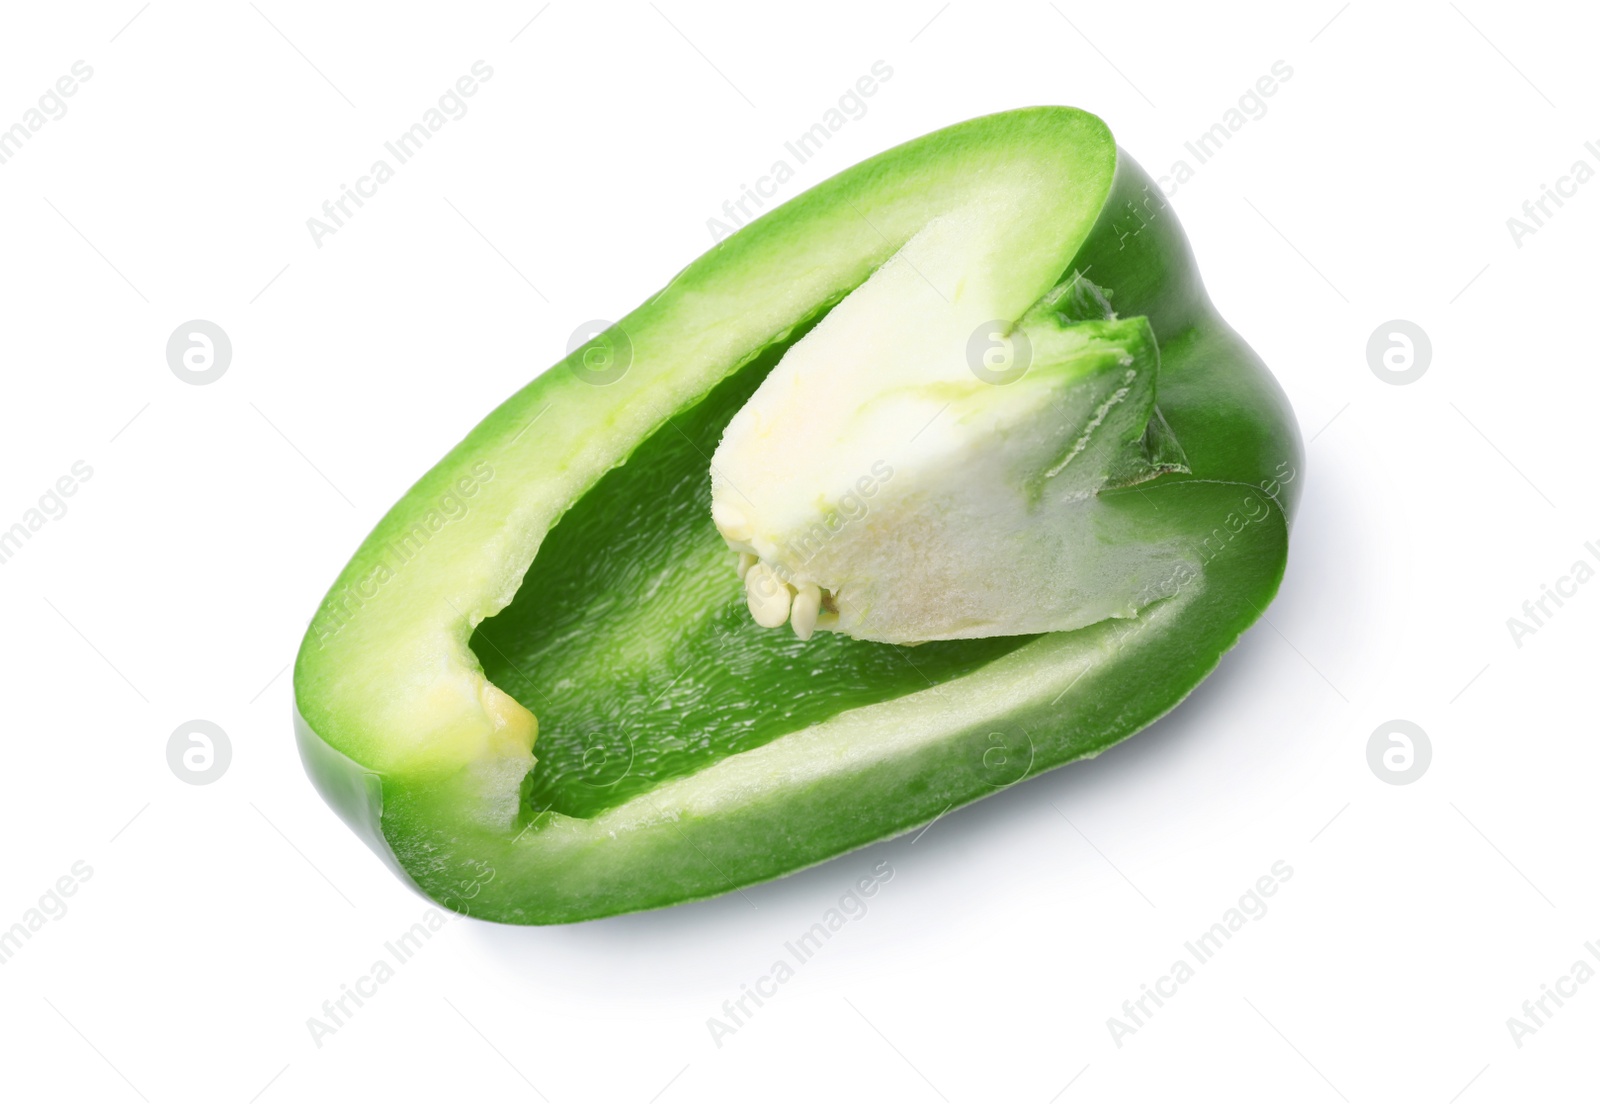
column 537, row 690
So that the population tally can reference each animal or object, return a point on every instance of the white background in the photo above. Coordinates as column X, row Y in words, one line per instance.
column 219, row 918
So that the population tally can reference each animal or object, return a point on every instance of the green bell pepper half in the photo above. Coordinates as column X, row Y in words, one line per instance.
column 534, row 689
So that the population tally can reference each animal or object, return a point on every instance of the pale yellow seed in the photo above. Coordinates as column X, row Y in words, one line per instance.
column 803, row 612
column 745, row 561
column 767, row 596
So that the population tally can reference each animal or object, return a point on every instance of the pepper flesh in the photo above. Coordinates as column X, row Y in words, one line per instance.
column 435, row 764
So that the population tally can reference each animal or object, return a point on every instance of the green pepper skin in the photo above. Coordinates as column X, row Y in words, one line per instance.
column 878, row 771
